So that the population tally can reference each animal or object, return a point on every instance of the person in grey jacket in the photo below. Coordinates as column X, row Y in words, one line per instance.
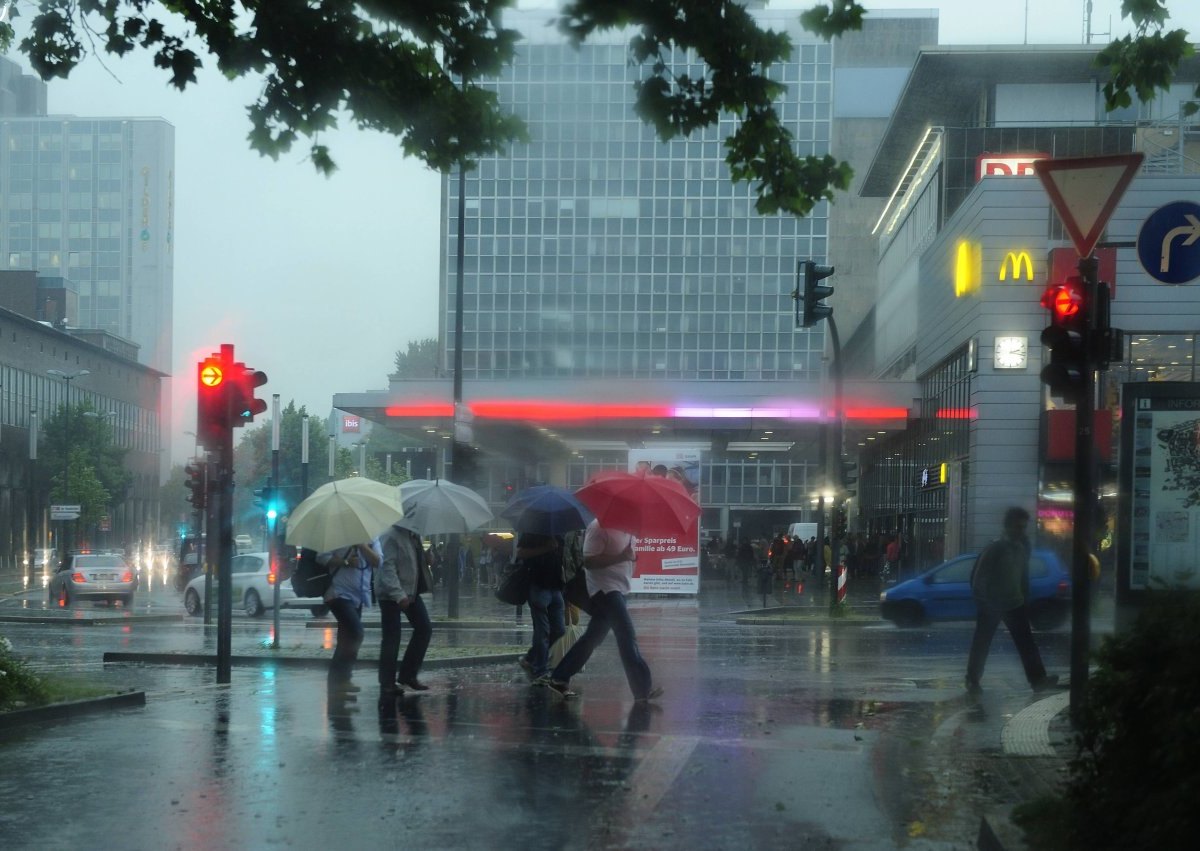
column 1000, row 586
column 401, row 578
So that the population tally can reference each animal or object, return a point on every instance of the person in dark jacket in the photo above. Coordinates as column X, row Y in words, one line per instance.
column 543, row 556
column 1000, row 586
column 402, row 576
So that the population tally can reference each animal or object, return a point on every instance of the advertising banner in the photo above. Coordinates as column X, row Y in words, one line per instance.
column 666, row 563
column 1160, row 488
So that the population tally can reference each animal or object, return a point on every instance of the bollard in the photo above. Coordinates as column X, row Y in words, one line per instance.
column 841, row 574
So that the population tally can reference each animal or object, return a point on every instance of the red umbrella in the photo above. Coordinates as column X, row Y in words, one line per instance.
column 639, row 504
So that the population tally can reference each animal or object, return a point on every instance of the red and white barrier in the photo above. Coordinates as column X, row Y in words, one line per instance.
column 841, row 575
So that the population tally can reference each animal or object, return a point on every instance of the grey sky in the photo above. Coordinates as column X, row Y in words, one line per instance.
column 318, row 281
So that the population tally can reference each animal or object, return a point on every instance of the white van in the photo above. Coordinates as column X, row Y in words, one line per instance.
column 803, row 531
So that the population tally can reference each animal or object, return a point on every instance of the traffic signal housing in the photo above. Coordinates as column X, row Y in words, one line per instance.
column 196, row 485
column 1066, row 338
column 811, row 292
column 243, row 405
column 212, row 407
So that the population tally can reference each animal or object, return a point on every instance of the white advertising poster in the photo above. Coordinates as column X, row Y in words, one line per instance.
column 1165, row 525
column 667, row 563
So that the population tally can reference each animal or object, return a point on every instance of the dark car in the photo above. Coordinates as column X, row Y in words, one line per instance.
column 101, row 576
column 944, row 593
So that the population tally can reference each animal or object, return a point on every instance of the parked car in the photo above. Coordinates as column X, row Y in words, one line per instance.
column 92, row 576
column 243, row 543
column 944, row 593
column 253, row 587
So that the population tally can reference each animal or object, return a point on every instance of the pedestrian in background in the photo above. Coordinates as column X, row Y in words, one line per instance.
column 402, row 577
column 348, row 592
column 1000, row 585
column 608, row 563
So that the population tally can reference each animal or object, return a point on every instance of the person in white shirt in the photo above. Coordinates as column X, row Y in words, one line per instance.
column 608, row 563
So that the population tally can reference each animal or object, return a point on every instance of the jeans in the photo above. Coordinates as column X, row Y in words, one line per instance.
column 609, row 611
column 1017, row 622
column 546, row 609
column 349, row 639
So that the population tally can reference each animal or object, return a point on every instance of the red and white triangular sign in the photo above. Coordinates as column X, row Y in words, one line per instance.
column 1085, row 192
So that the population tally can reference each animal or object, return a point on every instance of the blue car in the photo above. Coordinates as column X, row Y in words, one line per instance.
column 944, row 593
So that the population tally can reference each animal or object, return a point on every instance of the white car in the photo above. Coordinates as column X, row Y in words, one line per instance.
column 253, row 587
column 243, row 543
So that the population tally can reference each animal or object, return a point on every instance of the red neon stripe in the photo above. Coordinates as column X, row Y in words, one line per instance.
column 427, row 409
column 876, row 413
column 564, row 411
column 955, row 414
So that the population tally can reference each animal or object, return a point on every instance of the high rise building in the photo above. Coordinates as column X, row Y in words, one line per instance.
column 89, row 200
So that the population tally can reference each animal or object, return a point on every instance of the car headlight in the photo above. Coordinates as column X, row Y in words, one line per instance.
column 883, row 596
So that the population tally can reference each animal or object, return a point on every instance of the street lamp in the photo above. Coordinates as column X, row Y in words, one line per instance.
column 67, row 378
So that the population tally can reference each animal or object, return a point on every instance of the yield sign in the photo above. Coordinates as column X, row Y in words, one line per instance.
column 1085, row 191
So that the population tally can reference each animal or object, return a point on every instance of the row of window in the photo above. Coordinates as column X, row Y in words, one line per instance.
column 82, row 173
column 637, row 363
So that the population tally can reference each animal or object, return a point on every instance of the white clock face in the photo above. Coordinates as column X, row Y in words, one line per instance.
column 1011, row 352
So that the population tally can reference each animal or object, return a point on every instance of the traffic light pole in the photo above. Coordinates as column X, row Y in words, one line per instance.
column 1085, row 499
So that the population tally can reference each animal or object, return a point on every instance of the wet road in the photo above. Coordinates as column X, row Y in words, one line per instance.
column 817, row 734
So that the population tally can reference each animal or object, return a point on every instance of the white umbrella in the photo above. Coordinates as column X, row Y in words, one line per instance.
column 344, row 512
column 439, row 507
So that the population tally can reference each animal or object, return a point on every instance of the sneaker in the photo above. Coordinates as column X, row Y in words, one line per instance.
column 560, row 688
column 655, row 694
column 543, row 680
column 1046, row 683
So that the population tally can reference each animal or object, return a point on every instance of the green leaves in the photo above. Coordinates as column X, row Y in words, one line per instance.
column 828, row 22
column 1145, row 63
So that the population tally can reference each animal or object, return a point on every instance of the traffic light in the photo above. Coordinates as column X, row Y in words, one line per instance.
column 810, row 293
column 1066, row 338
column 849, row 471
column 212, row 385
column 196, row 485
column 243, row 406
column 264, row 500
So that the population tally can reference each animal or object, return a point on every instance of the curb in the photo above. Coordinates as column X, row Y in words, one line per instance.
column 203, row 659
column 103, row 621
column 74, row 709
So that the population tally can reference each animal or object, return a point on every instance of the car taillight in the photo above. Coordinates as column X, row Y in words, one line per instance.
column 1064, row 588
column 127, row 576
column 78, row 577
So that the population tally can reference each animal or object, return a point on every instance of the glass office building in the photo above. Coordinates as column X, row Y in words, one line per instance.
column 90, row 200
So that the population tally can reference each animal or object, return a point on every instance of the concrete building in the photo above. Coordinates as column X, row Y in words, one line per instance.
column 964, row 255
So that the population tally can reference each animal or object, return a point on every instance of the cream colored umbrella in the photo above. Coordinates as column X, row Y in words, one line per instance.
column 342, row 513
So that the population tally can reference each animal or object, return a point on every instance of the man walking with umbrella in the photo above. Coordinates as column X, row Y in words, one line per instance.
column 402, row 577
column 608, row 564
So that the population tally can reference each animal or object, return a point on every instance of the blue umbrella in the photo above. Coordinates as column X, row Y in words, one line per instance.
column 546, row 510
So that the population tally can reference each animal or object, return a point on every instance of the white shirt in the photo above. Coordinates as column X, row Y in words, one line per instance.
column 607, row 542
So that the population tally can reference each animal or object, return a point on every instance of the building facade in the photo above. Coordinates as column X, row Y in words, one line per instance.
column 90, row 200
column 967, row 245
column 602, row 266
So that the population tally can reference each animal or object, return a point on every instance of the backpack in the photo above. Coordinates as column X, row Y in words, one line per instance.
column 311, row 578
column 572, row 556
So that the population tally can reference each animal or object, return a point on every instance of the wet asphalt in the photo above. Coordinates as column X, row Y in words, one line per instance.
column 822, row 733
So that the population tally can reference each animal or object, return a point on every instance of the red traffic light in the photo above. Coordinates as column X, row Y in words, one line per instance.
column 1065, row 301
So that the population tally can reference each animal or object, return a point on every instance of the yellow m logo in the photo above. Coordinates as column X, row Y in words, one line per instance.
column 1016, row 260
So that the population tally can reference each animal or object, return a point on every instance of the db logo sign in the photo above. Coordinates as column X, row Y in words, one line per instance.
column 1007, row 165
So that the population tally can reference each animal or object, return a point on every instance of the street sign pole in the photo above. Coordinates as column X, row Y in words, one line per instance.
column 1085, row 501
column 225, row 536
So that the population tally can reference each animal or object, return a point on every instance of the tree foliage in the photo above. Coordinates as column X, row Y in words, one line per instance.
column 421, row 360
column 412, row 68
column 92, row 471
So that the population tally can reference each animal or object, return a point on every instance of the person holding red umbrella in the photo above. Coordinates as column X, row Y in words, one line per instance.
column 608, row 564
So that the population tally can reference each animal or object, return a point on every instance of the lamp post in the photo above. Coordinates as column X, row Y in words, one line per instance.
column 67, row 378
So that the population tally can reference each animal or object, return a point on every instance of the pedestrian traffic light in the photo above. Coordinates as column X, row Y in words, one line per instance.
column 265, row 501
column 243, row 405
column 212, row 385
column 810, row 293
column 1066, row 338
column 196, row 485
column 849, row 471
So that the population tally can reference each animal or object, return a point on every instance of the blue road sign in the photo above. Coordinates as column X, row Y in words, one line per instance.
column 1168, row 245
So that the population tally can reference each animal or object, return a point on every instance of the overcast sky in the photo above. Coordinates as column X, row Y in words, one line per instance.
column 319, row 281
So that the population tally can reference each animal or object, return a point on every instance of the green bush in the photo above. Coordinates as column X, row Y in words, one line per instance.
column 1135, row 781
column 19, row 686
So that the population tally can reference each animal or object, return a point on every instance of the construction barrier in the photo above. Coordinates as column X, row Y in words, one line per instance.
column 841, row 575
